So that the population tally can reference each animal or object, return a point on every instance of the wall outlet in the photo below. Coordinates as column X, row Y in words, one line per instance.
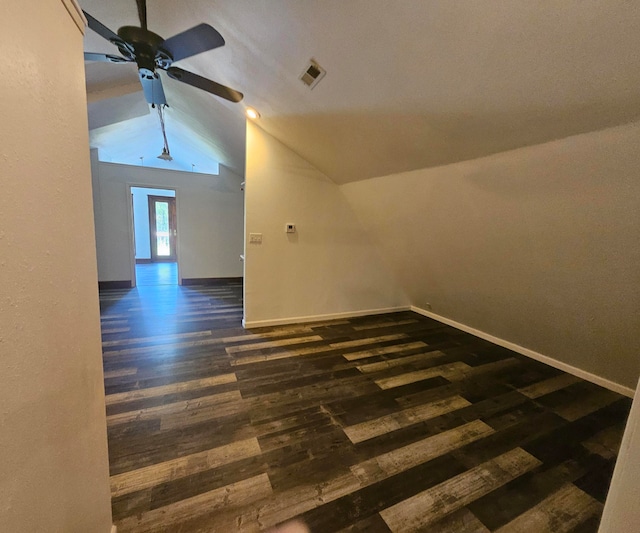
column 255, row 238
column 290, row 227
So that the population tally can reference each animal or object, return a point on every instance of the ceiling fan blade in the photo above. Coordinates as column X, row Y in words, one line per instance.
column 153, row 91
column 193, row 41
column 205, row 84
column 101, row 29
column 109, row 58
column 142, row 13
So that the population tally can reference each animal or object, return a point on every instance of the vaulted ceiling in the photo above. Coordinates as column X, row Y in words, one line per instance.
column 409, row 84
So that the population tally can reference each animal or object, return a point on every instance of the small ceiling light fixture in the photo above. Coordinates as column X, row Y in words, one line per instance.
column 165, row 155
column 252, row 113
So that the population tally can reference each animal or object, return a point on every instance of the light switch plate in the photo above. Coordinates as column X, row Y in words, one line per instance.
column 255, row 238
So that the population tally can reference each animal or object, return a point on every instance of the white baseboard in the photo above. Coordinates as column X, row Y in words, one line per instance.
column 583, row 374
column 319, row 318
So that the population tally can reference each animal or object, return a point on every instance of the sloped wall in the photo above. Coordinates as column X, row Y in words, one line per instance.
column 54, row 469
column 329, row 266
column 209, row 217
column 538, row 246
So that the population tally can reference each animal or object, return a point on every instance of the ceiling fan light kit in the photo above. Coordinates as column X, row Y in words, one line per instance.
column 151, row 53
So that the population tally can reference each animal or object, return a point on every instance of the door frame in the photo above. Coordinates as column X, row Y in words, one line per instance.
column 173, row 229
column 132, row 250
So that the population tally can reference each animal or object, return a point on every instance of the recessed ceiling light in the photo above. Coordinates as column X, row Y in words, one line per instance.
column 252, row 113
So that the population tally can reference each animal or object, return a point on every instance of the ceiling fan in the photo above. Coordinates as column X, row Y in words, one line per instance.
column 151, row 52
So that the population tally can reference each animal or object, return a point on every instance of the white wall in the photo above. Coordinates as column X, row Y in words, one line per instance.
column 538, row 246
column 54, row 472
column 141, row 218
column 329, row 266
column 209, row 219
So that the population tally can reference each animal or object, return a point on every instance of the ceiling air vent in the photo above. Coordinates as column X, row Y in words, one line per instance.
column 312, row 74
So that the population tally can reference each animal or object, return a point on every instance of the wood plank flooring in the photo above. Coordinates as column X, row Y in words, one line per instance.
column 156, row 274
column 388, row 423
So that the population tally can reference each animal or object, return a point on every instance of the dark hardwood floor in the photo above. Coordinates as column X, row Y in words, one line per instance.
column 383, row 423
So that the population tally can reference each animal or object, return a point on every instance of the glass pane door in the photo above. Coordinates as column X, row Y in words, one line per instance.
column 163, row 245
column 162, row 226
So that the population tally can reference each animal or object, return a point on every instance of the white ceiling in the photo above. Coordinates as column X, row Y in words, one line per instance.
column 410, row 84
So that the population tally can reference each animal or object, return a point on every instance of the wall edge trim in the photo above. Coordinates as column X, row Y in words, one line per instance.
column 317, row 318
column 117, row 284
column 583, row 374
column 76, row 13
column 189, row 282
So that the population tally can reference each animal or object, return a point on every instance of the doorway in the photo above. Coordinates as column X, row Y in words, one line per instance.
column 155, row 236
column 162, row 229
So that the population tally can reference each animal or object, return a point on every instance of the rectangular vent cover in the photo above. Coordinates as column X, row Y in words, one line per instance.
column 312, row 74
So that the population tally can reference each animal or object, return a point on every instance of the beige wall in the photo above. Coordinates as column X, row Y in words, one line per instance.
column 329, row 266
column 53, row 446
column 538, row 246
column 209, row 214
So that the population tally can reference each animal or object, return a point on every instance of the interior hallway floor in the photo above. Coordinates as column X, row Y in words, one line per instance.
column 156, row 274
column 382, row 423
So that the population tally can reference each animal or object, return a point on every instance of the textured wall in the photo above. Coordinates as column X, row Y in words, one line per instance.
column 53, row 445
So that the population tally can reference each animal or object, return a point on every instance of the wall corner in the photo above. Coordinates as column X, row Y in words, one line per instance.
column 76, row 13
